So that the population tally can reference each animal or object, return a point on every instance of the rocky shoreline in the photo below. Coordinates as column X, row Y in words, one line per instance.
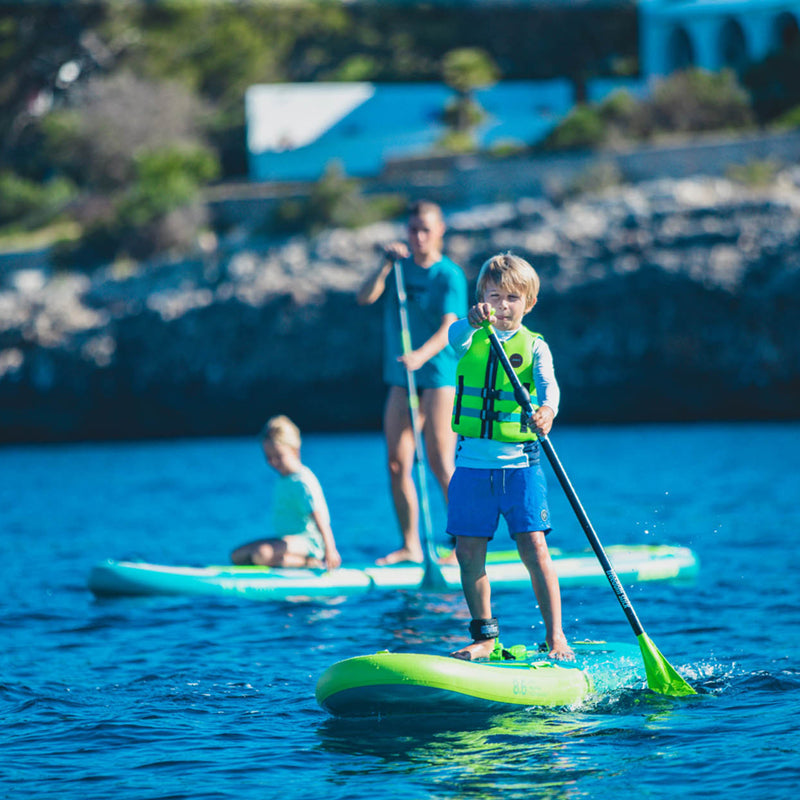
column 670, row 300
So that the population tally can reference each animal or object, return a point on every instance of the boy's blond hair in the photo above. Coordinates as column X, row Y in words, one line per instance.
column 281, row 430
column 512, row 274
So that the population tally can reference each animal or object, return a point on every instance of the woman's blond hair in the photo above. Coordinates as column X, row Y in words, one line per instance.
column 281, row 430
column 512, row 274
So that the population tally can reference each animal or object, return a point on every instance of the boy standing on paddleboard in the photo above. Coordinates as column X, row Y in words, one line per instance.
column 497, row 454
column 300, row 513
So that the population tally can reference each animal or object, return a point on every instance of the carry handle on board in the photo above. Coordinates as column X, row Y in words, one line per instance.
column 661, row 676
column 432, row 578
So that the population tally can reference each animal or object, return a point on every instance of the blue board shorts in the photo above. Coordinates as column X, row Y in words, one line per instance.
column 477, row 497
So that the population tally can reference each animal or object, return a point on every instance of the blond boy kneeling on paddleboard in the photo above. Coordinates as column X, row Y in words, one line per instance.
column 300, row 513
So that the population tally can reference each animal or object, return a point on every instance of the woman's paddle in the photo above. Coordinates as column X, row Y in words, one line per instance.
column 661, row 676
column 432, row 579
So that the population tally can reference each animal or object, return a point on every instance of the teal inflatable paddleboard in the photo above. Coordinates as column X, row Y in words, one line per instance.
column 634, row 563
column 414, row 683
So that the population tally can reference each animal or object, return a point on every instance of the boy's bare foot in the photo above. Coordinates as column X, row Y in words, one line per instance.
column 475, row 651
column 399, row 556
column 560, row 650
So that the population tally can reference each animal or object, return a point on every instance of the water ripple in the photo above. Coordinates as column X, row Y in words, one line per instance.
column 154, row 698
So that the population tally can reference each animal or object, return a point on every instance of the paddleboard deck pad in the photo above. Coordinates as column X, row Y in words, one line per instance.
column 633, row 563
column 387, row 683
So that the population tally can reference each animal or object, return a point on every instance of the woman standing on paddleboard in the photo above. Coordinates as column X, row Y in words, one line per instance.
column 436, row 292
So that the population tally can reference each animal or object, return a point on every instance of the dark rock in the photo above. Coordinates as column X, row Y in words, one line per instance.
column 671, row 301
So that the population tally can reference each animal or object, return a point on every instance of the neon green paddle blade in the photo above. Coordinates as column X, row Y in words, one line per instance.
column 661, row 676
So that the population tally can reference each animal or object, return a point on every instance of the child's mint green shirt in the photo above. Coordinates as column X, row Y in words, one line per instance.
column 296, row 497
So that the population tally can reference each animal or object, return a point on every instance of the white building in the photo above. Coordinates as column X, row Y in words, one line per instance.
column 712, row 34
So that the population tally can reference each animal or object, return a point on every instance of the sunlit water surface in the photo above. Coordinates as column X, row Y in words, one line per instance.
column 214, row 698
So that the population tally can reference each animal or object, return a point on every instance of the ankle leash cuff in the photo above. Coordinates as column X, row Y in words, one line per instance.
column 482, row 629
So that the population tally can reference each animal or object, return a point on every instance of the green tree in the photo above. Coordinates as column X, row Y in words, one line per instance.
column 465, row 70
column 112, row 119
column 36, row 40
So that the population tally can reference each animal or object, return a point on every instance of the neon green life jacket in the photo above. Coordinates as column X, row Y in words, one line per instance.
column 484, row 405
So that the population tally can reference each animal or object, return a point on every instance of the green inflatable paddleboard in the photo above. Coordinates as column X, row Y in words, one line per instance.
column 387, row 683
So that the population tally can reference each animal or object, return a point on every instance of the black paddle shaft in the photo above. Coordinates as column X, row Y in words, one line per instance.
column 522, row 396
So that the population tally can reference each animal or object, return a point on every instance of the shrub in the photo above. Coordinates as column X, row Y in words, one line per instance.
column 788, row 121
column 583, row 128
column 696, row 100
column 619, row 108
column 334, row 198
column 112, row 120
column 335, row 201
column 27, row 204
column 166, row 180
column 754, row 173
column 686, row 102
column 595, row 178
column 504, row 148
column 157, row 212
column 454, row 141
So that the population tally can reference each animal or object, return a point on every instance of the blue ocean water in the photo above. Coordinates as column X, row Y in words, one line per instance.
column 212, row 698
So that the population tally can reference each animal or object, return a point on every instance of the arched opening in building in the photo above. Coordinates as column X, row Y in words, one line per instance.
column 733, row 46
column 785, row 32
column 680, row 50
